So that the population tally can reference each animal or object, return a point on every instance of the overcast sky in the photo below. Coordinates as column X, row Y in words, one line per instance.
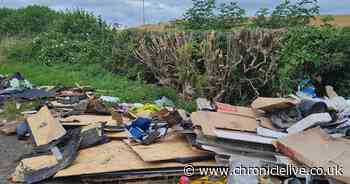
column 129, row 12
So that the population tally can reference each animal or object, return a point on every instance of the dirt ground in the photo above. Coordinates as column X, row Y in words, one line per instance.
column 10, row 151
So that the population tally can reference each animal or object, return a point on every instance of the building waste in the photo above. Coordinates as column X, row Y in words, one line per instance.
column 76, row 132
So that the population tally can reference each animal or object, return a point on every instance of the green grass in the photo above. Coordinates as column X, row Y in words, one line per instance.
column 92, row 75
column 95, row 76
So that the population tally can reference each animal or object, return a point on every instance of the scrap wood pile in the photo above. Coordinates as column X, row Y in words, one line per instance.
column 77, row 133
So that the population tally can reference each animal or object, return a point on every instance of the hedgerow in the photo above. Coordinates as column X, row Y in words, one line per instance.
column 80, row 38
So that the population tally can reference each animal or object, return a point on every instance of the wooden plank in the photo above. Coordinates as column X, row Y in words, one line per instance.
column 315, row 148
column 172, row 147
column 44, row 127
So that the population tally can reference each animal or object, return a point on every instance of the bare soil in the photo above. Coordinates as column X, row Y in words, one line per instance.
column 10, row 152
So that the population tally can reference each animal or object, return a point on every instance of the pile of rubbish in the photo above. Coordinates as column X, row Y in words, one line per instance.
column 77, row 133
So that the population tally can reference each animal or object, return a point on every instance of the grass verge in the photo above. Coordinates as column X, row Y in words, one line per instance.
column 93, row 75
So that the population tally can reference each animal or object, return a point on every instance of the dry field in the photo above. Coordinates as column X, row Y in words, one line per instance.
column 339, row 20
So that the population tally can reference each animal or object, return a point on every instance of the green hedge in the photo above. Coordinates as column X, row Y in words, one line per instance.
column 26, row 21
column 308, row 52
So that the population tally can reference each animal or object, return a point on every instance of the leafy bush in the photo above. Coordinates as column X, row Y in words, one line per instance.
column 17, row 49
column 123, row 58
column 81, row 25
column 26, row 21
column 308, row 52
column 73, row 37
column 55, row 47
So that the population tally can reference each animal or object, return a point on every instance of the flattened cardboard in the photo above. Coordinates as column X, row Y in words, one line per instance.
column 209, row 121
column 271, row 104
column 44, row 127
column 117, row 135
column 315, row 148
column 85, row 119
column 236, row 110
column 172, row 147
column 113, row 157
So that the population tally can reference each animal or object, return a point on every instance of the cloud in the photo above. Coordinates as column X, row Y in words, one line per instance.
column 129, row 12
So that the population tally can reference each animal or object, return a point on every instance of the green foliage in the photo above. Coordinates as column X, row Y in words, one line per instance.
column 261, row 19
column 75, row 37
column 18, row 49
column 26, row 21
column 81, row 25
column 205, row 15
column 123, row 59
column 287, row 14
column 200, row 15
column 55, row 47
column 311, row 51
column 72, row 37
column 230, row 16
column 327, row 20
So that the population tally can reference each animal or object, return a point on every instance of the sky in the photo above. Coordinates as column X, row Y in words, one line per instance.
column 129, row 12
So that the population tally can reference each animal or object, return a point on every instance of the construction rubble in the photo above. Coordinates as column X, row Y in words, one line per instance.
column 77, row 132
